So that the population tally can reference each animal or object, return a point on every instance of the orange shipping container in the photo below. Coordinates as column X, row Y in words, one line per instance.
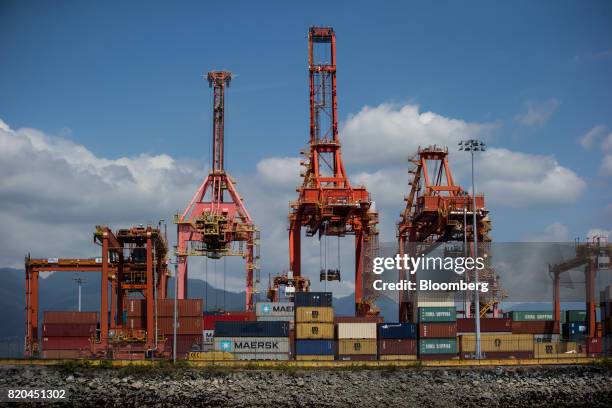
column 186, row 325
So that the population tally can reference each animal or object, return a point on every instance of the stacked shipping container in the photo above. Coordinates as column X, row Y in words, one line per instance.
column 253, row 340
column 437, row 332
column 314, row 326
column 397, row 341
column 67, row 334
column 357, row 341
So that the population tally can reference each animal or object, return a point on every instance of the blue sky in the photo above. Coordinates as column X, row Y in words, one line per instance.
column 126, row 79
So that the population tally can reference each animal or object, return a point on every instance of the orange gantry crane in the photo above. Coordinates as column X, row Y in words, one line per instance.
column 594, row 255
column 133, row 263
column 435, row 211
column 216, row 223
column 328, row 205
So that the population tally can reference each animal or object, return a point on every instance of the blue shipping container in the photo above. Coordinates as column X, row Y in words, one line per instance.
column 313, row 299
column 574, row 329
column 397, row 331
column 251, row 329
column 315, row 347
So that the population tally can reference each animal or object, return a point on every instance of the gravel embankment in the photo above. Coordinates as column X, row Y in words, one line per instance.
column 508, row 386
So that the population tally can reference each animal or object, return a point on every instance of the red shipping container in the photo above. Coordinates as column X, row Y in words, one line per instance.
column 397, row 346
column 136, row 322
column 184, row 343
column 357, row 357
column 437, row 330
column 65, row 343
column 208, row 320
column 358, row 319
column 70, row 317
column 186, row 325
column 594, row 345
column 487, row 325
column 68, row 329
column 136, row 308
column 185, row 307
column 535, row 327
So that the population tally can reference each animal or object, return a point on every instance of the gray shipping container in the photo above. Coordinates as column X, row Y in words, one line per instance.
column 274, row 309
column 258, row 345
column 275, row 318
column 261, row 356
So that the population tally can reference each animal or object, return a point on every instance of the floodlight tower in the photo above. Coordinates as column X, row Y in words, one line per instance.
column 216, row 223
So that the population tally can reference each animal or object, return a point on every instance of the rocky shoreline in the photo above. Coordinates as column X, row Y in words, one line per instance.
column 557, row 386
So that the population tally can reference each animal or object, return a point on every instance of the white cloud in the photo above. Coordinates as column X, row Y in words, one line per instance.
column 389, row 134
column 280, row 171
column 537, row 113
column 592, row 136
column 555, row 232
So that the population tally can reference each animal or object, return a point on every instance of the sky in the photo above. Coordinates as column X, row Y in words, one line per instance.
column 106, row 114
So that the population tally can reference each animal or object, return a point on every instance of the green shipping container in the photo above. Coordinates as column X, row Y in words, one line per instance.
column 531, row 315
column 438, row 346
column 437, row 314
column 575, row 316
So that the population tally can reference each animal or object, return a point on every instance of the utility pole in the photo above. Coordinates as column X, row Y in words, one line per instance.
column 79, row 281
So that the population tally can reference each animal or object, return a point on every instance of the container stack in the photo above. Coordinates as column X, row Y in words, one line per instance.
column 314, row 326
column 575, row 326
column 534, row 322
column 397, row 341
column 357, row 341
column 497, row 345
column 437, row 332
column 67, row 334
column 253, row 340
column 189, row 328
column 210, row 318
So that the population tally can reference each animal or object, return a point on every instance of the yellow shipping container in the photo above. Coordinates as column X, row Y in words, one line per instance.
column 314, row 358
column 314, row 331
column 314, row 314
column 558, row 350
column 496, row 342
column 357, row 346
column 398, row 357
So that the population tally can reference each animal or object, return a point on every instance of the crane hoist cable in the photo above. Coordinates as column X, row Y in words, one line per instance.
column 206, row 283
column 224, row 277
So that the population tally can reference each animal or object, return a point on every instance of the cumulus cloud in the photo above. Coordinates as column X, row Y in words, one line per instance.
column 389, row 133
column 280, row 171
column 537, row 113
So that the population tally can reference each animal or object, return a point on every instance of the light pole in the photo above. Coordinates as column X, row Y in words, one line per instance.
column 473, row 145
column 79, row 281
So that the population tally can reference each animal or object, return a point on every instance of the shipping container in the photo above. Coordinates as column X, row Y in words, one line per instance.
column 275, row 318
column 437, row 330
column 434, row 303
column 274, row 309
column 184, row 342
column 357, row 346
column 356, row 330
column 209, row 319
column 438, row 346
column 315, row 357
column 315, row 347
column 313, row 299
column 574, row 329
column 314, row 331
column 136, row 307
column 65, row 343
column 358, row 319
column 437, row 314
column 136, row 322
column 68, row 329
column 497, row 355
column 546, row 338
column 357, row 357
column 252, row 344
column 251, row 329
column 261, row 356
column 397, row 331
column 186, row 325
column 594, row 346
column 397, row 346
column 531, row 315
column 50, row 317
column 398, row 357
column 535, row 327
column 575, row 316
column 497, row 342
column 487, row 325
column 185, row 307
column 314, row 314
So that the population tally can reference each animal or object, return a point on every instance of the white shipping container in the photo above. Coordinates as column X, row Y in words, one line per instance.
column 261, row 356
column 252, row 344
column 274, row 309
column 444, row 303
column 356, row 330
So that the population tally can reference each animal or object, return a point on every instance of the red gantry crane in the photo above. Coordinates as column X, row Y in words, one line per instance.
column 435, row 211
column 216, row 223
column 328, row 205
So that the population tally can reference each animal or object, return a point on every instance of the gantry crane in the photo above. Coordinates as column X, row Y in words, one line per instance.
column 134, row 260
column 328, row 205
column 216, row 223
column 593, row 255
column 434, row 214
